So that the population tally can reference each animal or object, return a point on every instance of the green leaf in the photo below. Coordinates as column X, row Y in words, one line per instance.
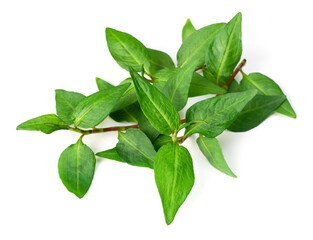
column 110, row 154
column 234, row 87
column 188, row 29
column 135, row 148
column 225, row 50
column 93, row 109
column 201, row 86
column 160, row 112
column 174, row 177
column 193, row 49
column 162, row 76
column 129, row 114
column 146, row 127
column 208, row 75
column 213, row 152
column 129, row 96
column 161, row 140
column 255, row 112
column 212, row 116
column 102, row 84
column 127, row 50
column 46, row 124
column 76, row 168
column 159, row 60
column 268, row 87
column 65, row 104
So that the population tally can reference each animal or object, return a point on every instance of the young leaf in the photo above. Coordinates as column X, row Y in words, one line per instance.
column 212, row 116
column 159, row 60
column 46, row 124
column 127, row 50
column 193, row 49
column 135, row 148
column 110, row 154
column 266, row 86
column 188, row 29
column 161, row 140
column 146, row 127
column 65, row 104
column 102, row 84
column 162, row 76
column 76, row 168
column 129, row 114
column 213, row 152
column 160, row 112
column 174, row 177
column 255, row 112
column 93, row 109
column 201, row 86
column 225, row 50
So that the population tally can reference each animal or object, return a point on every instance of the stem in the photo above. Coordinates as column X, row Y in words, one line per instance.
column 232, row 77
column 101, row 130
column 200, row 68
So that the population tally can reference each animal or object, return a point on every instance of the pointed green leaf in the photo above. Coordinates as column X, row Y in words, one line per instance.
column 135, row 148
column 129, row 114
column 201, row 86
column 193, row 49
column 102, row 84
column 162, row 76
column 174, row 177
column 225, row 50
column 188, row 29
column 234, row 87
column 161, row 140
column 160, row 112
column 213, row 152
column 127, row 50
column 266, row 86
column 212, row 116
column 76, row 168
column 46, row 124
column 93, row 109
column 159, row 60
column 129, row 96
column 146, row 127
column 65, row 104
column 110, row 154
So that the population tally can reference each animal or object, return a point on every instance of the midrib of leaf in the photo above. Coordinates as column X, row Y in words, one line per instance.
column 207, row 150
column 175, row 175
column 177, row 85
column 260, row 106
column 68, row 103
column 130, row 115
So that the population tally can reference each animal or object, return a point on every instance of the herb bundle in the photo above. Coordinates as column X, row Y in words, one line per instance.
column 151, row 98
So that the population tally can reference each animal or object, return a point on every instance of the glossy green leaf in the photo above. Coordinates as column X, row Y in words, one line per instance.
column 76, row 168
column 161, row 140
column 129, row 96
column 212, row 116
column 160, row 112
column 162, row 76
column 193, row 49
column 213, row 152
column 146, row 127
column 209, row 76
column 159, row 60
column 127, row 50
column 174, row 177
column 128, row 114
column 102, row 84
column 266, row 86
column 234, row 87
column 135, row 148
column 255, row 112
column 110, row 154
column 188, row 29
column 225, row 50
column 201, row 86
column 46, row 124
column 65, row 104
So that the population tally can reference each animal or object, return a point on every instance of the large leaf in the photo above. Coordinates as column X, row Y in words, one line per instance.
column 93, row 109
column 266, row 86
column 188, row 29
column 102, row 84
column 193, row 49
column 127, row 50
column 76, row 168
column 159, row 60
column 110, row 154
column 65, row 104
column 255, row 112
column 213, row 152
column 47, row 124
column 129, row 114
column 174, row 177
column 160, row 112
column 135, row 148
column 225, row 50
column 162, row 76
column 212, row 116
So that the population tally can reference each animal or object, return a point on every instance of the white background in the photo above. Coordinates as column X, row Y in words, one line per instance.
column 47, row 45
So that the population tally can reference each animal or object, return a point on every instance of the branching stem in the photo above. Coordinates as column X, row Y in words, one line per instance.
column 232, row 77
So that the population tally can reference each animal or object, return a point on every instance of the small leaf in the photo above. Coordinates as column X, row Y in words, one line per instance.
column 188, row 29
column 255, row 112
column 65, row 104
column 129, row 114
column 93, row 109
column 162, row 76
column 234, row 87
column 225, row 50
column 127, row 50
column 160, row 112
column 174, row 177
column 46, row 124
column 159, row 60
column 76, row 168
column 212, row 116
column 110, row 154
column 102, row 84
column 129, row 96
column 161, row 140
column 268, row 87
column 146, row 127
column 213, row 152
column 193, row 49
column 135, row 148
